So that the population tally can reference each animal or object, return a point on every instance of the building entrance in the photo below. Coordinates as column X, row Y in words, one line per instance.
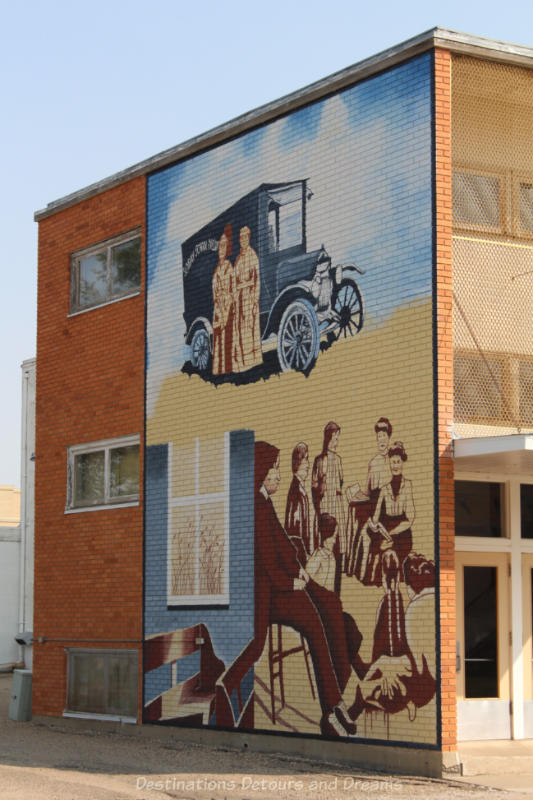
column 483, row 646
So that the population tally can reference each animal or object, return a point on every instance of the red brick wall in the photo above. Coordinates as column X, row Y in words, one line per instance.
column 445, row 394
column 90, row 383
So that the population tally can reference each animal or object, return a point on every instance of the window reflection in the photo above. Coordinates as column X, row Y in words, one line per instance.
column 478, row 509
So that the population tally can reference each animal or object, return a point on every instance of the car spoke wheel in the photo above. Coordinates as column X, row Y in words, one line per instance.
column 348, row 306
column 298, row 337
column 200, row 350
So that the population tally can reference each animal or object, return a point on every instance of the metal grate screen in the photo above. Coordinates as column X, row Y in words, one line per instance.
column 492, row 152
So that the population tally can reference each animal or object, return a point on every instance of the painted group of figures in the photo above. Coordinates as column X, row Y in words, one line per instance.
column 298, row 570
column 236, row 328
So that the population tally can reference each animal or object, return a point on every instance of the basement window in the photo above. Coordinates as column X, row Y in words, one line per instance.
column 102, row 683
column 103, row 474
column 105, row 272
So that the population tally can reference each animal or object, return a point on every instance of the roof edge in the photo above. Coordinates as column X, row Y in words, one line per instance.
column 435, row 37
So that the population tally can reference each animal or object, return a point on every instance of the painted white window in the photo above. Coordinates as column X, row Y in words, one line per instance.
column 198, row 522
column 108, row 271
column 103, row 474
column 102, row 683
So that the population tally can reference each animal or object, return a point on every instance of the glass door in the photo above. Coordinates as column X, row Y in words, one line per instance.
column 483, row 645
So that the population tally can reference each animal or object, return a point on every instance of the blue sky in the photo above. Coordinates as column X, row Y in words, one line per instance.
column 89, row 89
column 371, row 205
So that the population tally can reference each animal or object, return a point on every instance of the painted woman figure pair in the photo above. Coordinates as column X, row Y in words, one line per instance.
column 383, row 521
column 236, row 329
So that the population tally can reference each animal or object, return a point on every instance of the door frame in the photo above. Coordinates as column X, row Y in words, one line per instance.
column 516, row 547
column 503, row 619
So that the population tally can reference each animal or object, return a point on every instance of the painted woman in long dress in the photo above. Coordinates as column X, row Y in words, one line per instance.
column 327, row 480
column 248, row 351
column 394, row 514
column 363, row 507
column 223, row 310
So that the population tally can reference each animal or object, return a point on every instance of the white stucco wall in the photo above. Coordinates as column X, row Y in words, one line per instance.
column 9, row 594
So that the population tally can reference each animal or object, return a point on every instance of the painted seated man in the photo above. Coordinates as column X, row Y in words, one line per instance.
column 285, row 594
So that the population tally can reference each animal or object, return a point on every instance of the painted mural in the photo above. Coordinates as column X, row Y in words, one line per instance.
column 289, row 554
column 272, row 292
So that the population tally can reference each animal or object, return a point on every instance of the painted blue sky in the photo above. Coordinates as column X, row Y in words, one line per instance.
column 366, row 153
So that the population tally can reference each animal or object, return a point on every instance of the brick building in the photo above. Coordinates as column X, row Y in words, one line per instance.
column 285, row 418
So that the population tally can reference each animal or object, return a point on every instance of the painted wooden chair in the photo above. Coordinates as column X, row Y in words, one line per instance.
column 276, row 655
column 191, row 700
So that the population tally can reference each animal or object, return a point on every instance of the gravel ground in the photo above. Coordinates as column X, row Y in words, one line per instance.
column 51, row 763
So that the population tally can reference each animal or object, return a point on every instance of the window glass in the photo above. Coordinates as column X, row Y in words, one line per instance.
column 290, row 225
column 481, row 639
column 89, row 478
column 285, row 228
column 103, row 473
column 93, row 280
column 198, row 541
column 182, row 560
column 125, row 267
column 105, row 272
column 124, row 478
column 211, row 548
column 478, row 509
column 476, row 200
column 102, row 682
column 273, row 226
column 526, row 510
column 122, row 684
column 526, row 206
column 211, row 465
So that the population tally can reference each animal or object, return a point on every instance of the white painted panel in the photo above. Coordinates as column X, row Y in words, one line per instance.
column 9, row 595
column 483, row 719
column 528, row 719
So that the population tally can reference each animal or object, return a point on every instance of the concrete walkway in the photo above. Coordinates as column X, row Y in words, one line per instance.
column 56, row 760
column 498, row 764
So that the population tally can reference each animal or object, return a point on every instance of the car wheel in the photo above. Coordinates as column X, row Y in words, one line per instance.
column 347, row 304
column 201, row 350
column 298, row 337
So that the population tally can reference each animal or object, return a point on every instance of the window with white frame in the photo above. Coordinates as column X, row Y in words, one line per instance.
column 103, row 474
column 107, row 271
column 102, row 682
column 198, row 522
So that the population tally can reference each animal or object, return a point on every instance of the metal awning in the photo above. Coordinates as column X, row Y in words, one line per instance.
column 510, row 454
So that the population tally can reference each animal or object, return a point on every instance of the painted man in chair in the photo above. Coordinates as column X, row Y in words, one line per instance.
column 285, row 594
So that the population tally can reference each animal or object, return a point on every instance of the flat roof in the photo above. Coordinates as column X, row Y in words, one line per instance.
column 454, row 41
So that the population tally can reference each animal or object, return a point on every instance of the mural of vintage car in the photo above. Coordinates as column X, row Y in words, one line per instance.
column 302, row 298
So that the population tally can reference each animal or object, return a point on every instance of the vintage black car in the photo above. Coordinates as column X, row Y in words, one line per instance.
column 302, row 296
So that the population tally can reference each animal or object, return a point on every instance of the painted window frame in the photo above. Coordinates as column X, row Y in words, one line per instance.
column 105, row 445
column 106, row 246
column 107, row 653
column 502, row 178
column 197, row 500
